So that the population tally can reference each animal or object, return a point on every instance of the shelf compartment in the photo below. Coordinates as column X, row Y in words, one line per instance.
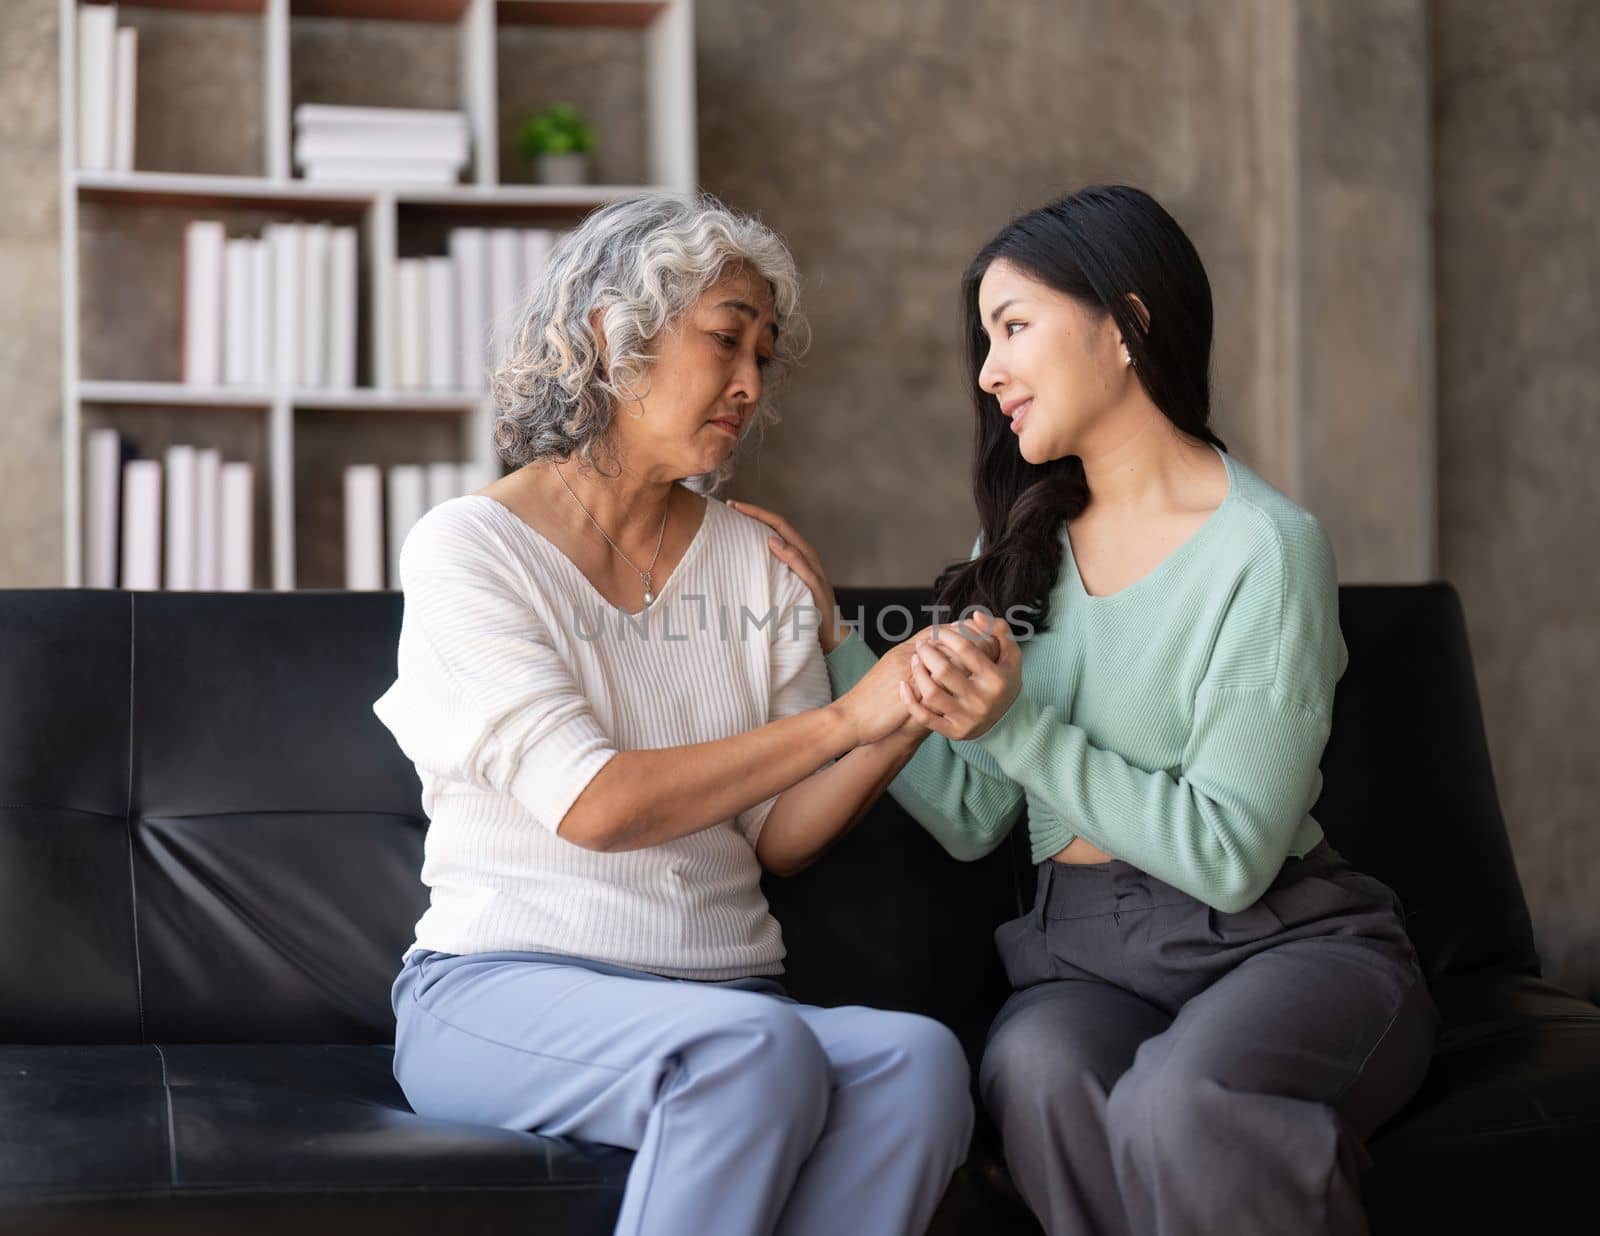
column 130, row 276
column 241, row 432
column 325, row 441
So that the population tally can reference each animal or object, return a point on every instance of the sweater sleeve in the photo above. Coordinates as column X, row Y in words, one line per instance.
column 1221, row 827
column 482, row 696
column 955, row 790
column 798, row 678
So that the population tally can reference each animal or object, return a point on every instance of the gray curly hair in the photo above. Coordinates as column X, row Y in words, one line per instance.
column 642, row 261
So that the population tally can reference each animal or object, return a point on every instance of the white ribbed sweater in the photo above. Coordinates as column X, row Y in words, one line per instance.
column 517, row 682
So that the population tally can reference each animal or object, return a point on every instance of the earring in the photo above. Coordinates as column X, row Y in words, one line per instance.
column 1127, row 358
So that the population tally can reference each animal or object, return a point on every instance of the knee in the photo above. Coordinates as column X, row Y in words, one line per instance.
column 1028, row 1069
column 937, row 1064
column 1167, row 1115
column 772, row 1059
column 929, row 1082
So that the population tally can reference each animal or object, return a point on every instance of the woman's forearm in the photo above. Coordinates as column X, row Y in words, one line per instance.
column 810, row 816
column 645, row 797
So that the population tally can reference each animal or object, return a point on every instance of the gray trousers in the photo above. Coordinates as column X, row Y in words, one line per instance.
column 1166, row 1069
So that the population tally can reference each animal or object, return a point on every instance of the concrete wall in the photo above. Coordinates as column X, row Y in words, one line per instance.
column 1517, row 167
column 1387, row 194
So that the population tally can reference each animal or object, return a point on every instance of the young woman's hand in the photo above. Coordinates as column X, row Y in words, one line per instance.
column 956, row 690
column 795, row 550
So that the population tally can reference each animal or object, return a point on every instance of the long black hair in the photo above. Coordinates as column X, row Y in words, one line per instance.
column 1096, row 245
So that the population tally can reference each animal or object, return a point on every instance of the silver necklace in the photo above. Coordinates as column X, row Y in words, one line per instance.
column 644, row 576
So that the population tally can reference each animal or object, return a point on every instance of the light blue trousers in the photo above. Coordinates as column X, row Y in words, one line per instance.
column 749, row 1112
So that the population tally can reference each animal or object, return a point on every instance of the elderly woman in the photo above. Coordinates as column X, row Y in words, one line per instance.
column 597, row 958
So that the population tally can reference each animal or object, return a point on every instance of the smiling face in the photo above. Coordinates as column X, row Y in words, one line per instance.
column 1055, row 367
column 704, row 380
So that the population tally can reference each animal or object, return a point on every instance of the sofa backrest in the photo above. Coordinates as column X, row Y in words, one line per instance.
column 206, row 835
column 1408, row 788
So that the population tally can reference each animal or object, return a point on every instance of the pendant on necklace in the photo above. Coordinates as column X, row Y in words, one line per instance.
column 648, row 595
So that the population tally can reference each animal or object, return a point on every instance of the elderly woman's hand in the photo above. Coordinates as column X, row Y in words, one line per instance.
column 956, row 689
column 795, row 550
column 875, row 706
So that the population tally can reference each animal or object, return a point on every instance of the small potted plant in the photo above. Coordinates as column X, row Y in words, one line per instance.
column 558, row 142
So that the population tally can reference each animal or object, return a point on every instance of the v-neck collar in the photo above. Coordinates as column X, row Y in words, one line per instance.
column 583, row 580
column 1075, row 580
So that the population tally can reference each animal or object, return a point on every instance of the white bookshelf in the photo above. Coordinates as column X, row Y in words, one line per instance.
column 667, row 28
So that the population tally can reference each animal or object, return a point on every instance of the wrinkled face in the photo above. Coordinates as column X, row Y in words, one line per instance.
column 1055, row 367
column 704, row 380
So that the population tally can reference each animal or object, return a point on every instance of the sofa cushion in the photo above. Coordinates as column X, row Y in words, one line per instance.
column 1506, row 1127
column 204, row 1138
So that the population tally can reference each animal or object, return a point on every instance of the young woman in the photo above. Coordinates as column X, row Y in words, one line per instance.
column 618, row 708
column 1212, row 1009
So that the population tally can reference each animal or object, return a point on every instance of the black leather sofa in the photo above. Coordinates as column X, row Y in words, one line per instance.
column 209, row 857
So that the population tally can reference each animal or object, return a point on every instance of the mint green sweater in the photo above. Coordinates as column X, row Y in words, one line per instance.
column 1177, row 724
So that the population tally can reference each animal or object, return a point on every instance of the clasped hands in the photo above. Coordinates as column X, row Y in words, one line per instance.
column 955, row 679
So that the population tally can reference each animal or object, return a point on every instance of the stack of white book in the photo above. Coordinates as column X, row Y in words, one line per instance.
column 455, row 315
column 191, row 504
column 108, row 57
column 370, row 145
column 412, row 490
column 277, row 309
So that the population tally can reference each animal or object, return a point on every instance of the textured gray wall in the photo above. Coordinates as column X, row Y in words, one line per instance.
column 1517, row 159
column 889, row 141
column 1404, row 293
column 30, row 308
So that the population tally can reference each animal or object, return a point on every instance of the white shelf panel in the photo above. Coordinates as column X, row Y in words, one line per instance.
column 165, row 394
column 182, row 188
column 390, row 401
column 633, row 13
column 576, row 196
column 199, row 6
column 170, row 393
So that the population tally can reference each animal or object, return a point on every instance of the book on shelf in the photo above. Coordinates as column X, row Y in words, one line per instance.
column 410, row 321
column 287, row 243
column 261, row 322
column 439, row 295
column 468, row 265
column 342, row 294
column 313, row 305
column 410, row 173
column 407, row 501
column 444, row 483
column 104, row 456
column 238, row 312
column 201, row 306
column 208, row 519
column 335, row 142
column 505, row 282
column 363, row 527
column 107, row 85
column 180, row 522
column 236, row 527
column 405, row 119
column 127, row 80
column 141, row 524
